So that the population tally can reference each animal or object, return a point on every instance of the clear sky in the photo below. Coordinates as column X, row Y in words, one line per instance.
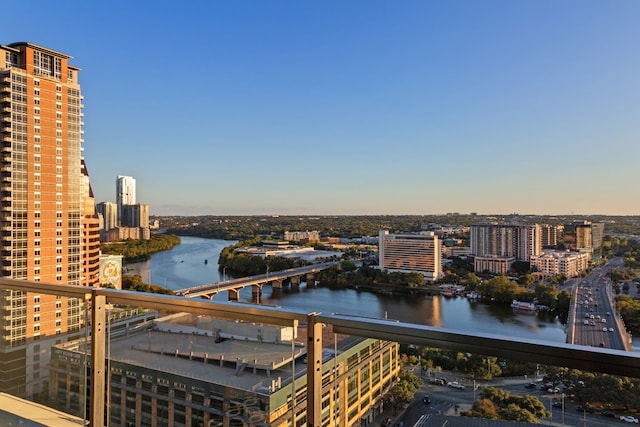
column 354, row 107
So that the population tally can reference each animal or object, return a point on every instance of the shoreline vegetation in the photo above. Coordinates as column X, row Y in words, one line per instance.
column 459, row 277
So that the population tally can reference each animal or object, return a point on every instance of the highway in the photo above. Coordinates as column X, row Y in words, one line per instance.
column 593, row 319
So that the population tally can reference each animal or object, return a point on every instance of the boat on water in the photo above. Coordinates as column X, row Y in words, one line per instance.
column 520, row 305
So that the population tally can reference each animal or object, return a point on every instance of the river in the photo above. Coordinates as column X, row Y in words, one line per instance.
column 184, row 266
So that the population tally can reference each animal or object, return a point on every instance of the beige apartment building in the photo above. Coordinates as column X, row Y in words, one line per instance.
column 48, row 225
column 495, row 247
column 552, row 263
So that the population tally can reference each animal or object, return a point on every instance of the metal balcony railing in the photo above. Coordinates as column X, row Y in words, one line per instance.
column 593, row 359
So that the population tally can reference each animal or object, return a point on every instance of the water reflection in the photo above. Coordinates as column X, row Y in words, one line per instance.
column 184, row 266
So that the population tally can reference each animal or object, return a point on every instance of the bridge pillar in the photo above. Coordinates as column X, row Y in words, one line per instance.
column 234, row 294
column 276, row 284
column 256, row 290
column 295, row 281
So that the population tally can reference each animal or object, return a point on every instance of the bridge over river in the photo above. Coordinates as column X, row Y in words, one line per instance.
column 276, row 278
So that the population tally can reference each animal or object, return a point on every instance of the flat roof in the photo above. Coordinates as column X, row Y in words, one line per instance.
column 15, row 411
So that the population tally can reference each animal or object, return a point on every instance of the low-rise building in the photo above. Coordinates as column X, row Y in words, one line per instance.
column 191, row 371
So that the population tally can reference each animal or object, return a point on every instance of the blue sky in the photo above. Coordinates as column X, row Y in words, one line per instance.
column 355, row 107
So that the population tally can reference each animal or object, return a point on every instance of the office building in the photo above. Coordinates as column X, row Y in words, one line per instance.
column 411, row 253
column 495, row 247
column 550, row 235
column 109, row 213
column 125, row 195
column 135, row 216
column 193, row 370
column 585, row 236
column 48, row 221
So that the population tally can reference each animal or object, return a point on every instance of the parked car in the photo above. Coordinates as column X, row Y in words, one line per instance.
column 530, row 385
column 629, row 419
column 608, row 414
column 456, row 384
column 557, row 404
column 582, row 408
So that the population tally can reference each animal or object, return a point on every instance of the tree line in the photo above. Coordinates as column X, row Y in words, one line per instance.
column 140, row 250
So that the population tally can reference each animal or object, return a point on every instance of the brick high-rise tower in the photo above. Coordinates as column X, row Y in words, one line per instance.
column 49, row 230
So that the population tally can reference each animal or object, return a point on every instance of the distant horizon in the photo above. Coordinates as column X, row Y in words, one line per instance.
column 383, row 214
column 229, row 108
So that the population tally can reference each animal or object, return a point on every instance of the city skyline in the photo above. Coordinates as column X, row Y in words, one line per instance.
column 357, row 108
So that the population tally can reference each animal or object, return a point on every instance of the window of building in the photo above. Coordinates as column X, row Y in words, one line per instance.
column 36, row 318
column 36, row 120
column 36, row 270
column 36, row 299
column 36, row 91
column 36, row 328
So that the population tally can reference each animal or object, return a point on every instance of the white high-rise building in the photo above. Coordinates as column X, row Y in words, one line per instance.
column 411, row 253
column 125, row 194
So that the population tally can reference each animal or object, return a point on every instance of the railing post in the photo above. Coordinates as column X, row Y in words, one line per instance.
column 98, row 303
column 314, row 371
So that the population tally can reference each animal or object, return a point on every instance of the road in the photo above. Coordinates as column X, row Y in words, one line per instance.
column 451, row 401
column 593, row 320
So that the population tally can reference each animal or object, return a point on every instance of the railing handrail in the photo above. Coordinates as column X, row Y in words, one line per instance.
column 593, row 359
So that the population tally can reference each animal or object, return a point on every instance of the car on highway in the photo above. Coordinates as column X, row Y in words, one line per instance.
column 610, row 329
column 608, row 414
column 426, row 399
column 455, row 384
column 530, row 385
column 629, row 419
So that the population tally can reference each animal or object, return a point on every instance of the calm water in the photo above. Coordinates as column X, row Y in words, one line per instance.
column 184, row 266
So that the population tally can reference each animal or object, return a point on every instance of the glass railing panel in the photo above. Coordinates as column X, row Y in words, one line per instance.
column 180, row 368
column 40, row 382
